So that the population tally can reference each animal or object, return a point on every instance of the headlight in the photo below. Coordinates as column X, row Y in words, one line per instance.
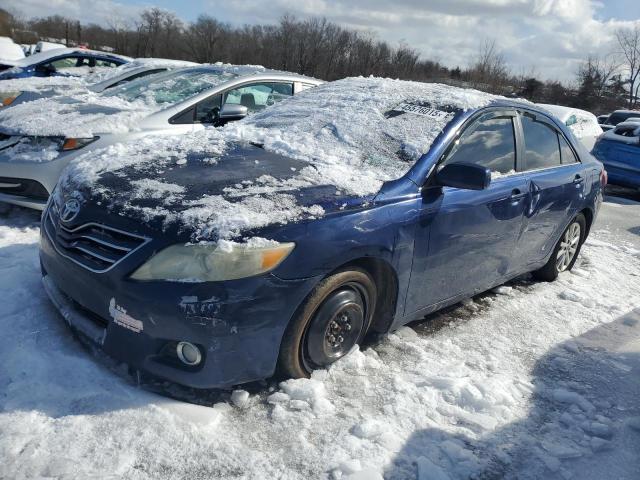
column 7, row 98
column 76, row 143
column 214, row 263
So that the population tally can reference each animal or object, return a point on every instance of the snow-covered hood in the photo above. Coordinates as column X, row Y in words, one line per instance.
column 84, row 115
column 215, row 190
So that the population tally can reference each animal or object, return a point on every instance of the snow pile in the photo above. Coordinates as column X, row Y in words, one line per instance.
column 82, row 115
column 38, row 84
column 118, row 110
column 585, row 124
column 355, row 131
column 523, row 384
column 353, row 134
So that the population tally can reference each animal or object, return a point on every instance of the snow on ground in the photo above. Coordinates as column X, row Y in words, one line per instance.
column 534, row 380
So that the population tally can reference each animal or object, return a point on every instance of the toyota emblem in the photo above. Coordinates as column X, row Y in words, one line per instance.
column 70, row 210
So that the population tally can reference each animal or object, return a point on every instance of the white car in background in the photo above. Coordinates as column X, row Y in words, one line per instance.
column 583, row 125
column 44, row 46
column 39, row 138
column 17, row 91
column 9, row 50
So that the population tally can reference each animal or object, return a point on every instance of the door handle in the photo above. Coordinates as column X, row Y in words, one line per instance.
column 516, row 194
column 578, row 179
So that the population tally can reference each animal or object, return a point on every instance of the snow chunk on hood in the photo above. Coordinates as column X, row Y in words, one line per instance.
column 349, row 136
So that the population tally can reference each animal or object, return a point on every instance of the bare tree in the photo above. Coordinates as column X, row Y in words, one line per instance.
column 489, row 67
column 629, row 42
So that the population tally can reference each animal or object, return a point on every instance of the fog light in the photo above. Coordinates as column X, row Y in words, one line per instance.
column 188, row 353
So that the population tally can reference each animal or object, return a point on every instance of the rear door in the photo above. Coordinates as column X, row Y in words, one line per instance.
column 465, row 239
column 557, row 183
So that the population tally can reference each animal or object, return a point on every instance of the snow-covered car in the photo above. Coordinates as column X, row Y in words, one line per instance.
column 602, row 118
column 60, row 62
column 15, row 92
column 39, row 138
column 583, row 125
column 9, row 50
column 276, row 243
column 619, row 116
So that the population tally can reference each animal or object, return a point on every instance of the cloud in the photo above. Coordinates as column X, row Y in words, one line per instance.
column 96, row 11
column 546, row 37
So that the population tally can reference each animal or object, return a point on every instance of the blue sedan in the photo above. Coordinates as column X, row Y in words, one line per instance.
column 619, row 150
column 276, row 244
column 60, row 62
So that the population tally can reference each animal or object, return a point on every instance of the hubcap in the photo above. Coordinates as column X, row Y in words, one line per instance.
column 568, row 247
column 336, row 327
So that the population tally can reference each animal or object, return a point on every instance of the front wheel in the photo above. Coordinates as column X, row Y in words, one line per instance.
column 566, row 252
column 333, row 319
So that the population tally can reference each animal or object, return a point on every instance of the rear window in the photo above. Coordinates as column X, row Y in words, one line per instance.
column 628, row 130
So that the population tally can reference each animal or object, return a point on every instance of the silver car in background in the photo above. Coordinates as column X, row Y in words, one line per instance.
column 39, row 138
column 15, row 92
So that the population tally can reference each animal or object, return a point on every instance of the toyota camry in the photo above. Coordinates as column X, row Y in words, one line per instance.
column 276, row 244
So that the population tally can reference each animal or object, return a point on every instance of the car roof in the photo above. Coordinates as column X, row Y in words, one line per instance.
column 56, row 52
column 563, row 113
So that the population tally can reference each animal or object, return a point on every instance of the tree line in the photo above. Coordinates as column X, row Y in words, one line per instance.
column 323, row 49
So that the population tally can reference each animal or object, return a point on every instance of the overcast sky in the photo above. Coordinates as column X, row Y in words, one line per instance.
column 544, row 37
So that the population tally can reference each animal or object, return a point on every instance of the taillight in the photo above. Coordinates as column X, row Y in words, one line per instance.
column 603, row 178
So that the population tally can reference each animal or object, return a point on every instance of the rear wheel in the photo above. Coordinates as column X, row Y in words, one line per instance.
column 566, row 252
column 333, row 319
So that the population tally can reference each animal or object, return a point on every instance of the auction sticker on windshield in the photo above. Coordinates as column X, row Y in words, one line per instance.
column 421, row 110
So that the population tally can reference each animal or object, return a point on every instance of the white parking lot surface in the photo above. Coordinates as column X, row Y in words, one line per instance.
column 534, row 380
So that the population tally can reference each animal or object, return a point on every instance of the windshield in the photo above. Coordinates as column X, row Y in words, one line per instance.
column 171, row 87
column 617, row 117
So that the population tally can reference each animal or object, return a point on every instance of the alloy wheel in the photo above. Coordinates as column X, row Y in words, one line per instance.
column 568, row 247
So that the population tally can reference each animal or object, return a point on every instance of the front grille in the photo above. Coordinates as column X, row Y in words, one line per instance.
column 93, row 246
column 23, row 187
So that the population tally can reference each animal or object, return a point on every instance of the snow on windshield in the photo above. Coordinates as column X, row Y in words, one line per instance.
column 352, row 134
column 358, row 132
column 84, row 114
column 170, row 87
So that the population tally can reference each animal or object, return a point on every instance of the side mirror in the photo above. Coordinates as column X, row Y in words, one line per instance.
column 232, row 111
column 464, row 175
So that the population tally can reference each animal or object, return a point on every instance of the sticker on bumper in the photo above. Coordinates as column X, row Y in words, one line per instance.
column 121, row 317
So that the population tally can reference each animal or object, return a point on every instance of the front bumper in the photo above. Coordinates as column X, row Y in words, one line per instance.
column 28, row 184
column 238, row 325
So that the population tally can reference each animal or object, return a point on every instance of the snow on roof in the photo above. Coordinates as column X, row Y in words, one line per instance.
column 352, row 134
column 10, row 51
column 56, row 52
column 585, row 124
column 37, row 84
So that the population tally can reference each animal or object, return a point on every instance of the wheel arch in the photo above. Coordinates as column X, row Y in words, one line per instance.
column 386, row 280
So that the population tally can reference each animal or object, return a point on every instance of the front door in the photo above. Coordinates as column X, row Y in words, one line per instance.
column 465, row 239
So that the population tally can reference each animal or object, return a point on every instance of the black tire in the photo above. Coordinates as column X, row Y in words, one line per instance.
column 555, row 265
column 340, row 307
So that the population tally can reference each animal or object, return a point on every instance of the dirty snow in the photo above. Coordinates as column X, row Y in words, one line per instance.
column 522, row 383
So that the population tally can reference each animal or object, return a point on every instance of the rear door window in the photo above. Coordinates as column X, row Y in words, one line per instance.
column 542, row 148
column 488, row 143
